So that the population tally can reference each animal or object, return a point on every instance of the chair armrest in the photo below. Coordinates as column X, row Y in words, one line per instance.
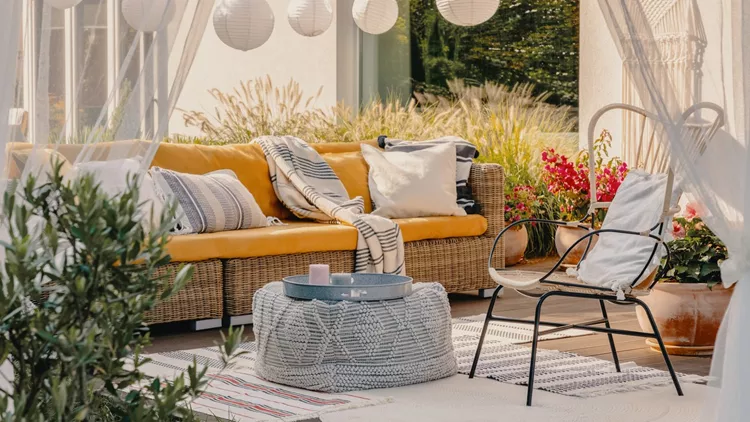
column 487, row 182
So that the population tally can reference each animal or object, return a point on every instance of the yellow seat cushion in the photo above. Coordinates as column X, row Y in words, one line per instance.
column 301, row 237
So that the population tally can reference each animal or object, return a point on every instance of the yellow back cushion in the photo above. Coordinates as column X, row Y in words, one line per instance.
column 246, row 160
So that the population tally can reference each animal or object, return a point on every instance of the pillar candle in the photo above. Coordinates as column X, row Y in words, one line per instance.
column 319, row 274
column 341, row 279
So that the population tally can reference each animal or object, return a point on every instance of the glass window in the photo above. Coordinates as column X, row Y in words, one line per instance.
column 530, row 41
column 92, row 57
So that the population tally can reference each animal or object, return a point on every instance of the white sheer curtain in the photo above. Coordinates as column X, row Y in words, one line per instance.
column 719, row 178
column 88, row 74
column 88, row 83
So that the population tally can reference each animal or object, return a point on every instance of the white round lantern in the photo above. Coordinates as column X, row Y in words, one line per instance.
column 243, row 24
column 310, row 17
column 375, row 16
column 148, row 15
column 467, row 12
column 63, row 4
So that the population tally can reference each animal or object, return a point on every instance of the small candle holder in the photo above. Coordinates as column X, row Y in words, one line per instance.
column 319, row 274
column 341, row 279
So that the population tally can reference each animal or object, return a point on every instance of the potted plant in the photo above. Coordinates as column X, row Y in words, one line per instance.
column 689, row 302
column 568, row 180
column 520, row 204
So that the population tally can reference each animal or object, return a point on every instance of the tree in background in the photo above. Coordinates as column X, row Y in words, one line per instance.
column 527, row 41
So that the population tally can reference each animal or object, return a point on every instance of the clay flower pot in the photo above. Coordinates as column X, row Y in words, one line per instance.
column 565, row 237
column 516, row 242
column 688, row 316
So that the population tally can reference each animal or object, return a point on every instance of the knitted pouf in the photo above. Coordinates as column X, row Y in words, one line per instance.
column 345, row 346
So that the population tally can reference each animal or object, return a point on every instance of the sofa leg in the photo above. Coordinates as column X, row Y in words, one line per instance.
column 205, row 324
column 240, row 320
column 487, row 293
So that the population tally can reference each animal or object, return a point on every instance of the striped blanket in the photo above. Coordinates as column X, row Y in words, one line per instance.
column 307, row 185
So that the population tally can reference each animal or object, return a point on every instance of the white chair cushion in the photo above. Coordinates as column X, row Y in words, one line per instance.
column 617, row 259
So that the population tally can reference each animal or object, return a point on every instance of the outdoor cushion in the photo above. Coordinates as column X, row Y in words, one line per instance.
column 413, row 184
column 208, row 203
column 301, row 237
column 617, row 259
column 247, row 161
column 351, row 168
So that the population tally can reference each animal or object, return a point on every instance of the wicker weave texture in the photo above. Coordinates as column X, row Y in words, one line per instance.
column 459, row 264
column 201, row 298
column 487, row 183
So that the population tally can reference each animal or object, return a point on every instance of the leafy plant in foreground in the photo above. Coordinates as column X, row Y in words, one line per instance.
column 79, row 274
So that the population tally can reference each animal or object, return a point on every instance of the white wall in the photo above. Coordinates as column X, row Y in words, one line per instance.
column 600, row 74
column 309, row 61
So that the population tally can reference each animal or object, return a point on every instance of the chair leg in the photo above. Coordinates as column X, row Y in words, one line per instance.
column 611, row 337
column 663, row 349
column 484, row 331
column 534, row 344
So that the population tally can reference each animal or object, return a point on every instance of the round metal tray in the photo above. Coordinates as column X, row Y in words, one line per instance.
column 364, row 287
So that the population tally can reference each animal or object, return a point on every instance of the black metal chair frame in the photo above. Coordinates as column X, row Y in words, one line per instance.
column 605, row 295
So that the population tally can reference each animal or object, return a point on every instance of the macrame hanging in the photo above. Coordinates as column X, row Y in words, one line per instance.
column 681, row 39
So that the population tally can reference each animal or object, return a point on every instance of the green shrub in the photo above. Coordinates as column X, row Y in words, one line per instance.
column 509, row 126
column 80, row 272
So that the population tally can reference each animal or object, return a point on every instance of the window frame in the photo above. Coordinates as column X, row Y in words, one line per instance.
column 73, row 33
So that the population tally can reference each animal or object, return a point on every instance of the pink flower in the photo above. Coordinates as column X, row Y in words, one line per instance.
column 677, row 230
column 691, row 211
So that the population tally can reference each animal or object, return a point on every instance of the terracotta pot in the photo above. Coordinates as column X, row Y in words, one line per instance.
column 516, row 242
column 688, row 316
column 565, row 237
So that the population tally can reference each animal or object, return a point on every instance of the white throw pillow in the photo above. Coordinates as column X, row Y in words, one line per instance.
column 617, row 259
column 413, row 184
column 113, row 176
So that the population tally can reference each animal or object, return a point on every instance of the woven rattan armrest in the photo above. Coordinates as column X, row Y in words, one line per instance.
column 487, row 182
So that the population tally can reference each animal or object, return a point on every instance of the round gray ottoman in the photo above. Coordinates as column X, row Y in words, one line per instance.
column 345, row 346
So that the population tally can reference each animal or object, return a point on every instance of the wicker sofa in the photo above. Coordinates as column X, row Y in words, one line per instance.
column 231, row 266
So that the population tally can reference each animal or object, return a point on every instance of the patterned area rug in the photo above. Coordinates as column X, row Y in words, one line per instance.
column 557, row 372
column 238, row 394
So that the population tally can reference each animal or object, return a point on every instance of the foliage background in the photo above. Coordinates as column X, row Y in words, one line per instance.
column 526, row 41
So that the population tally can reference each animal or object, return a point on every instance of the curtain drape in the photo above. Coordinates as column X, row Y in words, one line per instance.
column 86, row 75
column 718, row 178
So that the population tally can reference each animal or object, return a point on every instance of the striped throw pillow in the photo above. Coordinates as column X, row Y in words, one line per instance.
column 212, row 202
column 465, row 153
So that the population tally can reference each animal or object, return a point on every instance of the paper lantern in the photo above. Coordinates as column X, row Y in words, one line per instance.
column 148, row 15
column 63, row 4
column 310, row 17
column 467, row 12
column 243, row 24
column 375, row 16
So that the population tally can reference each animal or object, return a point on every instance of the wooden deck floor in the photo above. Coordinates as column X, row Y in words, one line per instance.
column 170, row 337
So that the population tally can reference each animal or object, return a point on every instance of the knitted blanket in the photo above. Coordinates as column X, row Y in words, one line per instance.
column 306, row 184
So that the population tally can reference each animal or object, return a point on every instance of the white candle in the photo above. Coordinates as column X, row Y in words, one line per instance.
column 341, row 279
column 319, row 274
